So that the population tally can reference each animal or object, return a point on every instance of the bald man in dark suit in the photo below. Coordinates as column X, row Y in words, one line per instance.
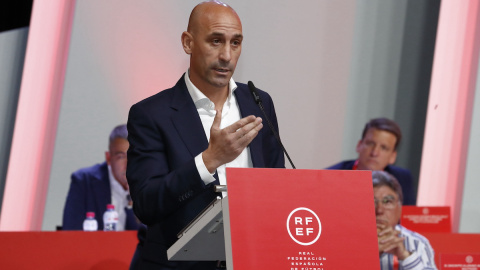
column 182, row 138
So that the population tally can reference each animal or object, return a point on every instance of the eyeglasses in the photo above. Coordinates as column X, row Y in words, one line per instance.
column 388, row 202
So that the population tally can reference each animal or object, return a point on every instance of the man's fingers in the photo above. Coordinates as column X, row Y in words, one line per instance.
column 217, row 119
column 249, row 131
column 246, row 138
column 394, row 243
column 241, row 123
column 252, row 125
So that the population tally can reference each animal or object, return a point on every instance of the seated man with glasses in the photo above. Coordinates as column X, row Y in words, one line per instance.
column 399, row 247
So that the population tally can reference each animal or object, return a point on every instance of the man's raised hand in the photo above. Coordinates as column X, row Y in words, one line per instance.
column 227, row 144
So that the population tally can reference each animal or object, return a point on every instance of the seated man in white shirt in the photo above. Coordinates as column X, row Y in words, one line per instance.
column 399, row 247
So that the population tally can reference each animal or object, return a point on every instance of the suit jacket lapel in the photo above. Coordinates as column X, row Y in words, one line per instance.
column 186, row 120
column 248, row 107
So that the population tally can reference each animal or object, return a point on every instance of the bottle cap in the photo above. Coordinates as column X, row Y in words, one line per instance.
column 110, row 206
column 90, row 214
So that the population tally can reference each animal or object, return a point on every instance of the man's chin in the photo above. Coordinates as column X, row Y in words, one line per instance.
column 373, row 167
column 382, row 221
column 220, row 82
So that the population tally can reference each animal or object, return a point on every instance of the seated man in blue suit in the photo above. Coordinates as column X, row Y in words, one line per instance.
column 377, row 151
column 94, row 187
column 182, row 138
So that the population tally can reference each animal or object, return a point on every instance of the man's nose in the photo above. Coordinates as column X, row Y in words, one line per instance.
column 226, row 53
column 379, row 209
column 375, row 150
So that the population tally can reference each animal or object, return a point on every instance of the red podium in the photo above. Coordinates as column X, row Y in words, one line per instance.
column 288, row 219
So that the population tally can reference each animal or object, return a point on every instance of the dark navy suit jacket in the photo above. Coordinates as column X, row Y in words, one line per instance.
column 403, row 176
column 165, row 134
column 90, row 192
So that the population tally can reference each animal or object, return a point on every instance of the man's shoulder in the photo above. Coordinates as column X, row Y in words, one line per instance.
column 98, row 171
column 344, row 165
column 243, row 89
column 162, row 97
column 398, row 172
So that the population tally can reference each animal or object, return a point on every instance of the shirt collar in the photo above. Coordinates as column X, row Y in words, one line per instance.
column 199, row 98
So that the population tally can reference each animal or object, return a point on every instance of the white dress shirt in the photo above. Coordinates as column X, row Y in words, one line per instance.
column 230, row 114
column 422, row 254
column 119, row 200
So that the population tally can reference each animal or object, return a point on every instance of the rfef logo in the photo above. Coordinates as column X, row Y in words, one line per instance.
column 304, row 226
column 469, row 259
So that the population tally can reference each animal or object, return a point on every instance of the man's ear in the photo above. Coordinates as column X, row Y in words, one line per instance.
column 107, row 157
column 358, row 146
column 187, row 42
column 393, row 158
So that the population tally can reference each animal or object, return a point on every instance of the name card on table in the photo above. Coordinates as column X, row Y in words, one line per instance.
column 460, row 261
column 427, row 219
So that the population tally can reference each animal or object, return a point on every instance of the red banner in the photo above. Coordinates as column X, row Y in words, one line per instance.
column 460, row 261
column 427, row 219
column 302, row 219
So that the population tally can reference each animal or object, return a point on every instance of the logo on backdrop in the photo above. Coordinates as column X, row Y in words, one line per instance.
column 469, row 259
column 304, row 226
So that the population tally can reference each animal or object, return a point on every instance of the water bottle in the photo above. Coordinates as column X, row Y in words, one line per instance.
column 90, row 223
column 110, row 218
